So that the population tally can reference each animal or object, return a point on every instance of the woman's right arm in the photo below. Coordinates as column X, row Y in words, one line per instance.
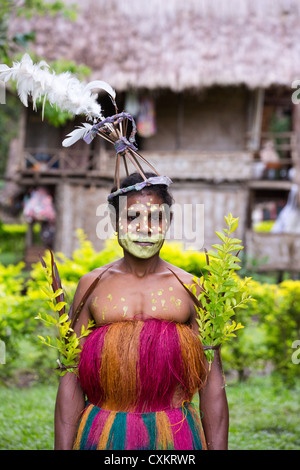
column 70, row 400
column 69, row 405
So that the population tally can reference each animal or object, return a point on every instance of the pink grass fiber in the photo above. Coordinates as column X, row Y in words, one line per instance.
column 159, row 364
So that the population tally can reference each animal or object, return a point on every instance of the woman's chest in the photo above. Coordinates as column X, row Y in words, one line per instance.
column 113, row 303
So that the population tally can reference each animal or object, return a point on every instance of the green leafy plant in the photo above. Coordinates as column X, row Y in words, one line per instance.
column 221, row 291
column 67, row 342
column 278, row 313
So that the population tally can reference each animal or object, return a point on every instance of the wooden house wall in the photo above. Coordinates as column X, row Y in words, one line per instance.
column 214, row 119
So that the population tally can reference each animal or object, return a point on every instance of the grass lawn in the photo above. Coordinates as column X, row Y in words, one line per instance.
column 27, row 417
column 262, row 417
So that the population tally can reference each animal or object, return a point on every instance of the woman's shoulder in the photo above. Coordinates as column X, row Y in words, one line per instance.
column 184, row 276
column 97, row 272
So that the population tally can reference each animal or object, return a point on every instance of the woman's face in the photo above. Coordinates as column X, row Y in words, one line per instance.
column 143, row 222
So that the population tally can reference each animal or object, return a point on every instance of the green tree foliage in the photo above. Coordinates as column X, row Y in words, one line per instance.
column 222, row 291
column 278, row 312
column 66, row 342
column 15, row 321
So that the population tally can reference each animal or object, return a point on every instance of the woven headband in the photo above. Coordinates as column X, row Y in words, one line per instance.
column 139, row 186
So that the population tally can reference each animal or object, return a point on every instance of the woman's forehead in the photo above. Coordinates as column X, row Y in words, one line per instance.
column 146, row 198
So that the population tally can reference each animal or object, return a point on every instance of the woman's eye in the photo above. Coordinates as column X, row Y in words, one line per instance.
column 132, row 217
column 156, row 216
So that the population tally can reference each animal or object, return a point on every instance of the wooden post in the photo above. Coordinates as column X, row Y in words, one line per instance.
column 29, row 235
column 21, row 139
column 179, row 124
column 255, row 133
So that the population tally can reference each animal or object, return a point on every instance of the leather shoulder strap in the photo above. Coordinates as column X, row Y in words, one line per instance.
column 74, row 316
column 194, row 298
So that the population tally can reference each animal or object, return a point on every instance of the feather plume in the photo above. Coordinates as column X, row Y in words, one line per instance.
column 63, row 90
column 79, row 133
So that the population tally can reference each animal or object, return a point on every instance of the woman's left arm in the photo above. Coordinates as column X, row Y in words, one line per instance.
column 214, row 407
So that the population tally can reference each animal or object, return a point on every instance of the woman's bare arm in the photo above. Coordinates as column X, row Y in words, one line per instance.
column 214, row 407
column 69, row 405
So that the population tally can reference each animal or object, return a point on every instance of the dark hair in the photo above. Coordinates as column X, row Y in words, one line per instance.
column 161, row 190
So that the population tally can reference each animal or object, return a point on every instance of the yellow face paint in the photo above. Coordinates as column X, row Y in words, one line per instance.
column 171, row 288
column 109, row 296
column 160, row 292
column 125, row 308
column 139, row 239
column 136, row 245
column 104, row 312
column 123, row 299
column 153, row 308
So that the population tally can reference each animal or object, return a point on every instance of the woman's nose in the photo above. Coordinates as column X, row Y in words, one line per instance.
column 144, row 226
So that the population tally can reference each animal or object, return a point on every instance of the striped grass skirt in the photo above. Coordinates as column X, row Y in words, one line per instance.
column 171, row 429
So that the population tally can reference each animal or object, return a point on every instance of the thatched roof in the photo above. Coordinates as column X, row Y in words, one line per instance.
column 177, row 44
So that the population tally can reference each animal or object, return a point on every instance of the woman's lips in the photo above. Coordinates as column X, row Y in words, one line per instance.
column 144, row 243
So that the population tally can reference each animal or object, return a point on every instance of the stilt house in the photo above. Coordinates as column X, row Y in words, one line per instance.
column 211, row 85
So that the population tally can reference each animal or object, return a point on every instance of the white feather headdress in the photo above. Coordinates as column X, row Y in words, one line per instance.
column 63, row 90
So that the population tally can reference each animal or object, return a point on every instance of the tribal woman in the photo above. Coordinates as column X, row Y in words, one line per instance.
column 143, row 363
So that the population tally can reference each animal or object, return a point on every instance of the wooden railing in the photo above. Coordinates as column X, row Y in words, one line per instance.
column 274, row 251
column 284, row 143
column 58, row 161
column 229, row 166
column 276, row 156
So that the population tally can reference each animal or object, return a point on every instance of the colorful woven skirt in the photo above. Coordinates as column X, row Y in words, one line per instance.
column 172, row 429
